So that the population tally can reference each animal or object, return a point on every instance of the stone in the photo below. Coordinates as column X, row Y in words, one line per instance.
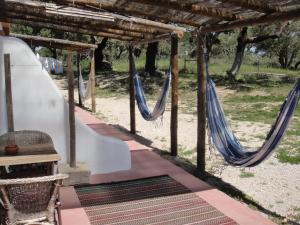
column 78, row 175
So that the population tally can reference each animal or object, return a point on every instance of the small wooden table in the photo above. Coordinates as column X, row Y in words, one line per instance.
column 39, row 153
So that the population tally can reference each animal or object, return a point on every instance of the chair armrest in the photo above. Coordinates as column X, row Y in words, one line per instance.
column 4, row 182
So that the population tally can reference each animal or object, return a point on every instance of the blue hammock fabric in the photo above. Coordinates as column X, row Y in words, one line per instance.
column 141, row 101
column 225, row 141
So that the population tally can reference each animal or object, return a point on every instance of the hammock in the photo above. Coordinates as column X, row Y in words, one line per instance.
column 227, row 144
column 84, row 91
column 160, row 106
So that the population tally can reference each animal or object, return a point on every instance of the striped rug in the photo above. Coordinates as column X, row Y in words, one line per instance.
column 155, row 200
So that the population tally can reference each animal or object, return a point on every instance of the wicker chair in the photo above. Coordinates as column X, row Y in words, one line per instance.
column 30, row 200
column 26, row 139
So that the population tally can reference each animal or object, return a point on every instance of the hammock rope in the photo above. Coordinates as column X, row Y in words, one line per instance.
column 140, row 97
column 228, row 145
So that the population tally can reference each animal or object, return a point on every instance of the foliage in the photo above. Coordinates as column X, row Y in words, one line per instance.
column 286, row 48
column 265, row 54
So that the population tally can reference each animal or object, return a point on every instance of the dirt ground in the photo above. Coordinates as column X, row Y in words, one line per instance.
column 274, row 185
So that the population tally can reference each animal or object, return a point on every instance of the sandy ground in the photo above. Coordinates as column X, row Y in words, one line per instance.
column 275, row 186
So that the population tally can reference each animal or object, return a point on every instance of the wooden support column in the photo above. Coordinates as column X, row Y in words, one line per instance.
column 174, row 104
column 8, row 93
column 201, row 103
column 93, row 82
column 5, row 29
column 131, row 93
column 70, row 75
column 78, row 75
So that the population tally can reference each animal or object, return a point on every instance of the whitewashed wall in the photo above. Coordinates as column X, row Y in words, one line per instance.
column 39, row 105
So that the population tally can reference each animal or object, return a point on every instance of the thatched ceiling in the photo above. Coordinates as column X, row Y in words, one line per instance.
column 137, row 20
column 72, row 19
column 193, row 12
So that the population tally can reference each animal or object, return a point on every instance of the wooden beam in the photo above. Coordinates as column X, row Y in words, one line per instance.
column 8, row 94
column 201, row 103
column 78, row 75
column 131, row 91
column 72, row 127
column 266, row 19
column 93, row 82
column 54, row 43
column 174, row 104
column 256, row 5
column 67, row 28
column 66, row 21
column 155, row 39
column 199, row 8
column 84, row 17
column 115, row 30
column 164, row 18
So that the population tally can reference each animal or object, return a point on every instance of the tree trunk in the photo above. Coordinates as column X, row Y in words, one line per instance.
column 282, row 58
column 151, row 53
column 54, row 53
column 285, row 58
column 291, row 59
column 99, row 56
column 211, row 40
column 137, row 52
column 297, row 64
column 120, row 49
column 243, row 40
column 239, row 54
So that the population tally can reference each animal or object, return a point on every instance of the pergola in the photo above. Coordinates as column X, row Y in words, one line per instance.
column 115, row 19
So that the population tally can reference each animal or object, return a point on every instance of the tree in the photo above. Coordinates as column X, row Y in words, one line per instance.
column 286, row 48
column 99, row 55
column 243, row 40
column 151, row 53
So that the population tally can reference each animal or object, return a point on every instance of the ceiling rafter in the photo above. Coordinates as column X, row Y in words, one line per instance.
column 255, row 5
column 108, row 23
column 199, row 8
column 54, row 42
column 265, row 19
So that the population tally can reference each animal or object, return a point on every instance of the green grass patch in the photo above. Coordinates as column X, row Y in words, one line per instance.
column 256, row 112
column 246, row 174
column 286, row 155
column 254, row 99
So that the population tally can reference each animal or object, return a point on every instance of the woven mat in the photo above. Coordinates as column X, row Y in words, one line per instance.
column 156, row 200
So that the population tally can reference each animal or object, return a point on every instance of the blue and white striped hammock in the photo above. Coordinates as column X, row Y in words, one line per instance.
column 141, row 101
column 225, row 141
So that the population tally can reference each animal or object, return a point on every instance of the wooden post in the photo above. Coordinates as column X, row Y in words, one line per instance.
column 70, row 75
column 78, row 75
column 8, row 93
column 131, row 93
column 174, row 106
column 93, row 82
column 5, row 29
column 201, row 103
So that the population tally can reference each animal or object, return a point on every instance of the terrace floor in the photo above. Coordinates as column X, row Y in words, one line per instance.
column 146, row 163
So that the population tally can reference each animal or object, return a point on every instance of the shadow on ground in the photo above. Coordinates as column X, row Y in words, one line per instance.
column 209, row 178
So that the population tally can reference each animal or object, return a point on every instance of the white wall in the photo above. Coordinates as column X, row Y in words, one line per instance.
column 39, row 105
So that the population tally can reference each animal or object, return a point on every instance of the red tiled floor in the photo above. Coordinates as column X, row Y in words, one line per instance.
column 147, row 164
